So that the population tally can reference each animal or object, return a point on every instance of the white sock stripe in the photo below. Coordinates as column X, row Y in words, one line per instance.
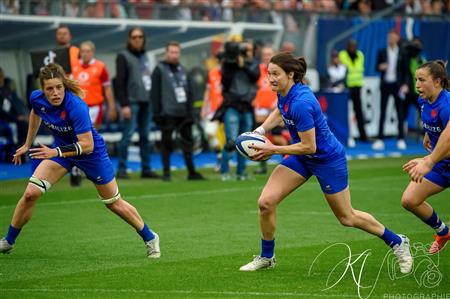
column 440, row 228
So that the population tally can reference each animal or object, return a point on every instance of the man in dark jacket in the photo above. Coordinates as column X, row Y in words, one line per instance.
column 133, row 84
column 389, row 64
column 12, row 110
column 173, row 109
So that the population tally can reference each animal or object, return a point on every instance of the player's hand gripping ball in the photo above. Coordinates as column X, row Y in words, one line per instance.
column 247, row 139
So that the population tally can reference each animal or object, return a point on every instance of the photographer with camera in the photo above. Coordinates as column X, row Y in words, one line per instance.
column 239, row 76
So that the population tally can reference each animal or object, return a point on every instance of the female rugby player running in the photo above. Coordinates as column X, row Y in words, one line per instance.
column 60, row 107
column 431, row 174
column 315, row 151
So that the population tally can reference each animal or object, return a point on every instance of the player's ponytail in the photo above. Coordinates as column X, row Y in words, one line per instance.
column 289, row 63
column 438, row 70
column 55, row 71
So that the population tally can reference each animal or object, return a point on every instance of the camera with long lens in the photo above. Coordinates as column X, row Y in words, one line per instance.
column 233, row 50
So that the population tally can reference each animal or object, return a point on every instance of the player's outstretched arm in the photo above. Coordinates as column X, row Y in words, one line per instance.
column 85, row 145
column 33, row 126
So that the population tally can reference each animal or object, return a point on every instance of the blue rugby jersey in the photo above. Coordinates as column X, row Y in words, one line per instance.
column 301, row 112
column 66, row 120
column 435, row 116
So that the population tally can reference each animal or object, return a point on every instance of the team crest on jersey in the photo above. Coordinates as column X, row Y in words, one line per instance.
column 286, row 108
column 63, row 115
column 433, row 113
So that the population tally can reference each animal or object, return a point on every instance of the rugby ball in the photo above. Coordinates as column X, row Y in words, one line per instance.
column 246, row 139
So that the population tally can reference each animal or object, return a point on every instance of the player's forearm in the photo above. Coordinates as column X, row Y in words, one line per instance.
column 84, row 145
column 33, row 126
column 442, row 148
column 299, row 148
column 273, row 120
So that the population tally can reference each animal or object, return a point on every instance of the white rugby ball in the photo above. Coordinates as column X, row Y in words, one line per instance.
column 246, row 139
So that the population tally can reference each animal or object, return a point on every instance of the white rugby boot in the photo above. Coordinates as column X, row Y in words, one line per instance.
column 258, row 263
column 403, row 253
column 153, row 250
column 5, row 247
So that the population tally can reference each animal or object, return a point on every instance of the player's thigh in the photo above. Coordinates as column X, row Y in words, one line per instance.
column 51, row 171
column 416, row 193
column 281, row 183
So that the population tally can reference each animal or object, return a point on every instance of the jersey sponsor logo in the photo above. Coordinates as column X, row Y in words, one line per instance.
column 431, row 128
column 288, row 121
column 58, row 128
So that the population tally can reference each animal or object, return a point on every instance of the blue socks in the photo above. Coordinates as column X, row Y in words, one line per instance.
column 12, row 234
column 390, row 238
column 267, row 248
column 437, row 224
column 146, row 234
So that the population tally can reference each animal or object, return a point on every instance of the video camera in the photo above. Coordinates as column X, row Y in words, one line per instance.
column 233, row 50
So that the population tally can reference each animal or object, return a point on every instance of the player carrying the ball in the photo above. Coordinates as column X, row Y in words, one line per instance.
column 314, row 151
column 60, row 107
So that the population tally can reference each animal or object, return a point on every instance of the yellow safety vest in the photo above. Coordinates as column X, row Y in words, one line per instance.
column 355, row 68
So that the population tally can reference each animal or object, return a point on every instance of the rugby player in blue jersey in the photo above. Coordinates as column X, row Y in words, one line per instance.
column 314, row 151
column 60, row 107
column 431, row 174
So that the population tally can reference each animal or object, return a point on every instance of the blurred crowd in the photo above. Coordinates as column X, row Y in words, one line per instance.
column 213, row 10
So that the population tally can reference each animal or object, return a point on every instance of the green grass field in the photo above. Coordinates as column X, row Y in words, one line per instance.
column 75, row 248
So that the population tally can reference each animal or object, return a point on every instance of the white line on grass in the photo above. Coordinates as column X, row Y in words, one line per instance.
column 42, row 202
column 191, row 292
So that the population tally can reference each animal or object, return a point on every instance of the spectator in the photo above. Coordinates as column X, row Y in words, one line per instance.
column 133, row 79
column 71, row 8
column 12, row 110
column 173, row 109
column 336, row 73
column 239, row 76
column 353, row 59
column 41, row 8
column 413, row 7
column 365, row 7
column 288, row 46
column 64, row 40
column 212, row 100
column 93, row 77
column 389, row 64
column 437, row 7
column 10, row 7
